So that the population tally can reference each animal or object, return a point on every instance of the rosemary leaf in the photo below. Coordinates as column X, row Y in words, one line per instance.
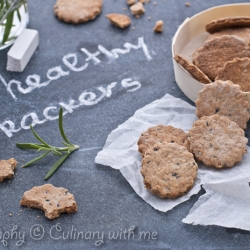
column 18, row 15
column 56, row 166
column 8, row 27
column 56, row 153
column 35, row 159
column 29, row 145
column 38, row 137
column 60, row 124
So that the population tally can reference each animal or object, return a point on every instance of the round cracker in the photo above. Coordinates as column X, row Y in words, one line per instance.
column 238, row 72
column 217, row 141
column 223, row 98
column 192, row 69
column 169, row 170
column 227, row 22
column 77, row 11
column 215, row 53
column 243, row 33
column 161, row 133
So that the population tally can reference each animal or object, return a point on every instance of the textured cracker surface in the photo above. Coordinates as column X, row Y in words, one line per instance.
column 238, row 72
column 192, row 69
column 223, row 98
column 227, row 22
column 52, row 200
column 217, row 141
column 169, row 170
column 77, row 11
column 243, row 33
column 119, row 20
column 7, row 168
column 215, row 53
column 161, row 133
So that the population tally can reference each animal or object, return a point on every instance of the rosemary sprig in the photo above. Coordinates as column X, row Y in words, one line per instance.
column 7, row 10
column 63, row 152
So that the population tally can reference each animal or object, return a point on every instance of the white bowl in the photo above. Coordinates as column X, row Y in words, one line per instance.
column 191, row 35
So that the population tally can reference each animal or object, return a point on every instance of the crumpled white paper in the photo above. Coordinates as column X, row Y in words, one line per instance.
column 121, row 152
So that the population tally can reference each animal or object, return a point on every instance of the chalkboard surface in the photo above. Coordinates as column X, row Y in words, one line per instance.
column 74, row 68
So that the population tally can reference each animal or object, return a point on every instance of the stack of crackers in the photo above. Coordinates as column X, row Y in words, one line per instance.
column 217, row 139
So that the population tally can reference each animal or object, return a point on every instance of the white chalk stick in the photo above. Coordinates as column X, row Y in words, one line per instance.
column 22, row 50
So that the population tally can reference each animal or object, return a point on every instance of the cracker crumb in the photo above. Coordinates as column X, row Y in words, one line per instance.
column 137, row 16
column 133, row 28
column 155, row 3
column 148, row 1
column 137, row 9
column 131, row 2
column 7, row 168
column 159, row 26
column 149, row 18
column 187, row 4
column 125, row 8
column 10, row 215
column 120, row 20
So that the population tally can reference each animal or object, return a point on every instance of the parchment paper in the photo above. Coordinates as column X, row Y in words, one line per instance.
column 121, row 152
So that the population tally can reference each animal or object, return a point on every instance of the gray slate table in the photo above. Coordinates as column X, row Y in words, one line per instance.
column 107, row 204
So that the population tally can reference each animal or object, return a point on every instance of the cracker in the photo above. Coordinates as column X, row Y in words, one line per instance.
column 161, row 133
column 159, row 26
column 223, row 98
column 52, row 200
column 137, row 9
column 243, row 33
column 227, row 22
column 238, row 72
column 215, row 53
column 169, row 170
column 7, row 168
column 131, row 2
column 120, row 20
column 217, row 141
column 192, row 69
column 77, row 11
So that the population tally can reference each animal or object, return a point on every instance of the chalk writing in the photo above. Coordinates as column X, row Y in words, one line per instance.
column 86, row 98
column 70, row 61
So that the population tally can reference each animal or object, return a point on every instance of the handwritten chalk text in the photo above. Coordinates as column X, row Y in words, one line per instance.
column 70, row 61
column 86, row 98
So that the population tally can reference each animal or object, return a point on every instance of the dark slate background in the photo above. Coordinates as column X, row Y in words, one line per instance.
column 106, row 202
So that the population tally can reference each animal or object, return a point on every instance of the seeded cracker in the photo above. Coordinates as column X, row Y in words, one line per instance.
column 52, row 200
column 238, row 72
column 169, row 170
column 217, row 141
column 192, row 69
column 120, row 20
column 77, row 11
column 223, row 98
column 7, row 168
column 161, row 133
column 243, row 33
column 227, row 22
column 215, row 53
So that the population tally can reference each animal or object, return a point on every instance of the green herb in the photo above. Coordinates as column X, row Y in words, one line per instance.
column 63, row 152
column 7, row 10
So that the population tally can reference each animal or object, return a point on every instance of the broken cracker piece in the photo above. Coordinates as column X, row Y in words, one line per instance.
column 137, row 9
column 7, row 168
column 52, row 200
column 159, row 26
column 131, row 2
column 120, row 20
